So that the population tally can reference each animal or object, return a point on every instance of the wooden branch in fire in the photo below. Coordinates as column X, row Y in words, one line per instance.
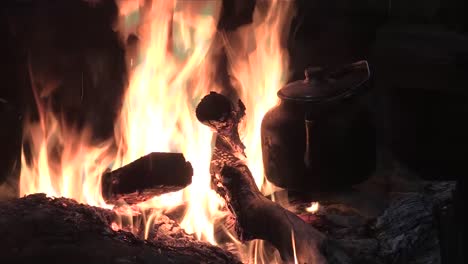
column 151, row 175
column 256, row 216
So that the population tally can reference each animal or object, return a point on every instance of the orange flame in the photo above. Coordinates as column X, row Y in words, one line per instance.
column 157, row 115
column 175, row 67
column 259, row 68
column 158, row 111
column 63, row 161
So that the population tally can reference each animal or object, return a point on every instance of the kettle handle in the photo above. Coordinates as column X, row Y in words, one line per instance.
column 359, row 69
column 308, row 130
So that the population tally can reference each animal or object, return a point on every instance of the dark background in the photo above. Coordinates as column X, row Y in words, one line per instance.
column 417, row 50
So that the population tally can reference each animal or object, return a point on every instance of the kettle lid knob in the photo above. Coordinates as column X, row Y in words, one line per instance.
column 313, row 73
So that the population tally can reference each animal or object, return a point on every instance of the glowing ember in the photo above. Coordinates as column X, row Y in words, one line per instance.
column 174, row 69
column 115, row 226
column 313, row 208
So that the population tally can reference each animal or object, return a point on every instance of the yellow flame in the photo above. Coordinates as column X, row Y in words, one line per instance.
column 174, row 72
column 174, row 69
column 62, row 160
column 158, row 112
column 259, row 67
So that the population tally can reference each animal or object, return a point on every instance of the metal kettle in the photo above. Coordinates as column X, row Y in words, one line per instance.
column 321, row 135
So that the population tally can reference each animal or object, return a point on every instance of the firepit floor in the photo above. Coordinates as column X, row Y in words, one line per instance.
column 408, row 227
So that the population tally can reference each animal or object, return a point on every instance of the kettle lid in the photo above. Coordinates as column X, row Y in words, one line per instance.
column 325, row 84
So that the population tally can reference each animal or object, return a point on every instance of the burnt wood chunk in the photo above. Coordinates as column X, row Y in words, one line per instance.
column 154, row 174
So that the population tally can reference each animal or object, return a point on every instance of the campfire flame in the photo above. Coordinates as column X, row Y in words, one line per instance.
column 259, row 68
column 174, row 69
column 59, row 160
column 174, row 73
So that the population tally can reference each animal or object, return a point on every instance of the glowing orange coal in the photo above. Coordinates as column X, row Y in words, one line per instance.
column 174, row 69
column 313, row 208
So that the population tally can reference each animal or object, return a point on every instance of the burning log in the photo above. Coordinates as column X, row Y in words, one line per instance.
column 59, row 230
column 146, row 177
column 256, row 216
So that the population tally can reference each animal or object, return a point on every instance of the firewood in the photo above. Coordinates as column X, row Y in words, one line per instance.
column 60, row 230
column 146, row 177
column 256, row 216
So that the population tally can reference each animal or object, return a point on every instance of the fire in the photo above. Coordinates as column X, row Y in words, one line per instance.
column 174, row 69
column 62, row 161
column 165, row 86
column 313, row 208
column 173, row 73
column 259, row 66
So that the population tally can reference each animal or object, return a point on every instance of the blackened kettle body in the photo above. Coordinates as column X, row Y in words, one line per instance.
column 320, row 136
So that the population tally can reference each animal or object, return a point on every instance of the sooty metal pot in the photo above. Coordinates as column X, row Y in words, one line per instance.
column 320, row 136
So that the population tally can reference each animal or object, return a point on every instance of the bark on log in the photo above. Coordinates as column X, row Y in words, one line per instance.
column 256, row 216
column 59, row 230
column 146, row 177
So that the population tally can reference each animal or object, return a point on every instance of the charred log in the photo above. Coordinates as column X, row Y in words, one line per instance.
column 146, row 177
column 256, row 216
column 59, row 230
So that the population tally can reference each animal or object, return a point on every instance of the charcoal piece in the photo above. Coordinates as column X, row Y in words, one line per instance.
column 151, row 175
